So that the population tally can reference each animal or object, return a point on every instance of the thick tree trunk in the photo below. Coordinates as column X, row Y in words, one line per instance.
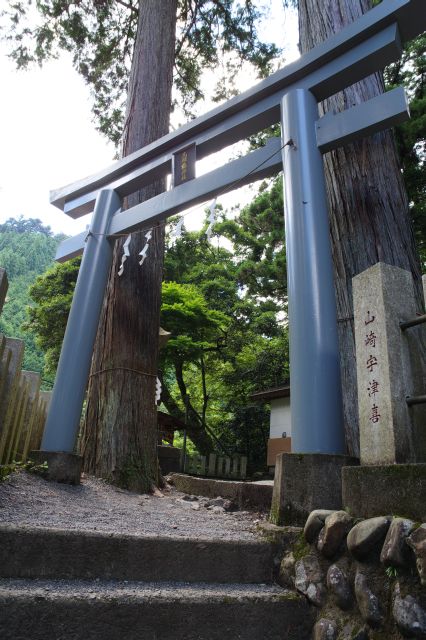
column 119, row 439
column 369, row 217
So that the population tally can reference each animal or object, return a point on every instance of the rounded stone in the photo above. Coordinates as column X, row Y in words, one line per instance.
column 417, row 541
column 351, row 632
column 217, row 510
column 315, row 523
column 409, row 616
column 324, row 630
column 334, row 532
column 216, row 502
column 395, row 550
column 286, row 573
column 368, row 602
column 339, row 586
column 367, row 535
column 309, row 580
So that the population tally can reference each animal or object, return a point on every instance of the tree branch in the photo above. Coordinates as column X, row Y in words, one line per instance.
column 128, row 6
column 205, row 395
column 187, row 30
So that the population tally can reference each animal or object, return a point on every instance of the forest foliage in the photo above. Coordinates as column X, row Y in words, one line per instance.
column 27, row 249
column 410, row 71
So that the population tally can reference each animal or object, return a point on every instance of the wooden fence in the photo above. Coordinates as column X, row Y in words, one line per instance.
column 23, row 406
column 217, row 466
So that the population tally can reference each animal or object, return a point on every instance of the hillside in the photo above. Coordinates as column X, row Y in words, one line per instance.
column 27, row 249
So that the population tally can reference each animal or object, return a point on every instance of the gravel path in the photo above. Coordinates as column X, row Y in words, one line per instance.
column 26, row 499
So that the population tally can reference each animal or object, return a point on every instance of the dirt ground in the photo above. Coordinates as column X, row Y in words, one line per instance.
column 27, row 499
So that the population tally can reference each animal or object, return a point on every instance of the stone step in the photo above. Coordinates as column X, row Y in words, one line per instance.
column 30, row 552
column 92, row 610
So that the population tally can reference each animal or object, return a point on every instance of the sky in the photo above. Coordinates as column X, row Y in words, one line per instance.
column 48, row 138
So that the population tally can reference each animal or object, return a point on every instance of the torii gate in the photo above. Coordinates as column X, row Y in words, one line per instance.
column 365, row 46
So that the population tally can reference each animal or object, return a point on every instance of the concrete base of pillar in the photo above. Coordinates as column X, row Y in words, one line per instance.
column 169, row 459
column 62, row 466
column 304, row 482
column 378, row 490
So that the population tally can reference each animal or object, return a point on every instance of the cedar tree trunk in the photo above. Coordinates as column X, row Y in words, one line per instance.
column 119, row 439
column 368, row 207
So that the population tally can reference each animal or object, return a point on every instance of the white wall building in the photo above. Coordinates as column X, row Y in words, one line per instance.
column 280, row 420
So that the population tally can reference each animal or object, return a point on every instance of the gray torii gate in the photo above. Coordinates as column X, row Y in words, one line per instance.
column 367, row 45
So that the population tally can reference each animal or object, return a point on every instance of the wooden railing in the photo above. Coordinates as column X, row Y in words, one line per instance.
column 23, row 406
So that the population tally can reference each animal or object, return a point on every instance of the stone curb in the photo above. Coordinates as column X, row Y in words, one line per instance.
column 88, row 613
column 245, row 494
column 36, row 552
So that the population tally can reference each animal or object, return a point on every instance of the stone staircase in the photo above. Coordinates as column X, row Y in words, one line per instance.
column 69, row 585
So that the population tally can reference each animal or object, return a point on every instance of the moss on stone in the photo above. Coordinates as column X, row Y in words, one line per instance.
column 271, row 535
column 267, row 536
column 401, row 470
column 300, row 548
column 379, row 634
column 274, row 515
column 289, row 595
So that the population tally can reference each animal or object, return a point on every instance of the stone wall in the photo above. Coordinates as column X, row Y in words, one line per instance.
column 365, row 578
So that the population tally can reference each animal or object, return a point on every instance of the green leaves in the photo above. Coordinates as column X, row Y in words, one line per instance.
column 257, row 235
column 101, row 34
column 194, row 326
column 52, row 294
column 410, row 136
column 27, row 248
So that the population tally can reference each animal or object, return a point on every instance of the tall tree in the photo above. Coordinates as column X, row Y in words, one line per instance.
column 106, row 39
column 369, row 212
column 119, row 439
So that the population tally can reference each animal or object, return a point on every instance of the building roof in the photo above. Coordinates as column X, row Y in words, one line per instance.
column 165, row 420
column 270, row 394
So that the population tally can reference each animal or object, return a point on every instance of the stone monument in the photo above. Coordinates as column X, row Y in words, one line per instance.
column 390, row 350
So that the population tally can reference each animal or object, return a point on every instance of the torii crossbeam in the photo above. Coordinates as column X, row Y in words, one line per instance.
column 367, row 45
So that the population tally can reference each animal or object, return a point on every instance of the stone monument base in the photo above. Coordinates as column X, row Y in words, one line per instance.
column 62, row 466
column 304, row 482
column 394, row 489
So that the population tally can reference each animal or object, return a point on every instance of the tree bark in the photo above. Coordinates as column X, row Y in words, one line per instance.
column 119, row 439
column 368, row 206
